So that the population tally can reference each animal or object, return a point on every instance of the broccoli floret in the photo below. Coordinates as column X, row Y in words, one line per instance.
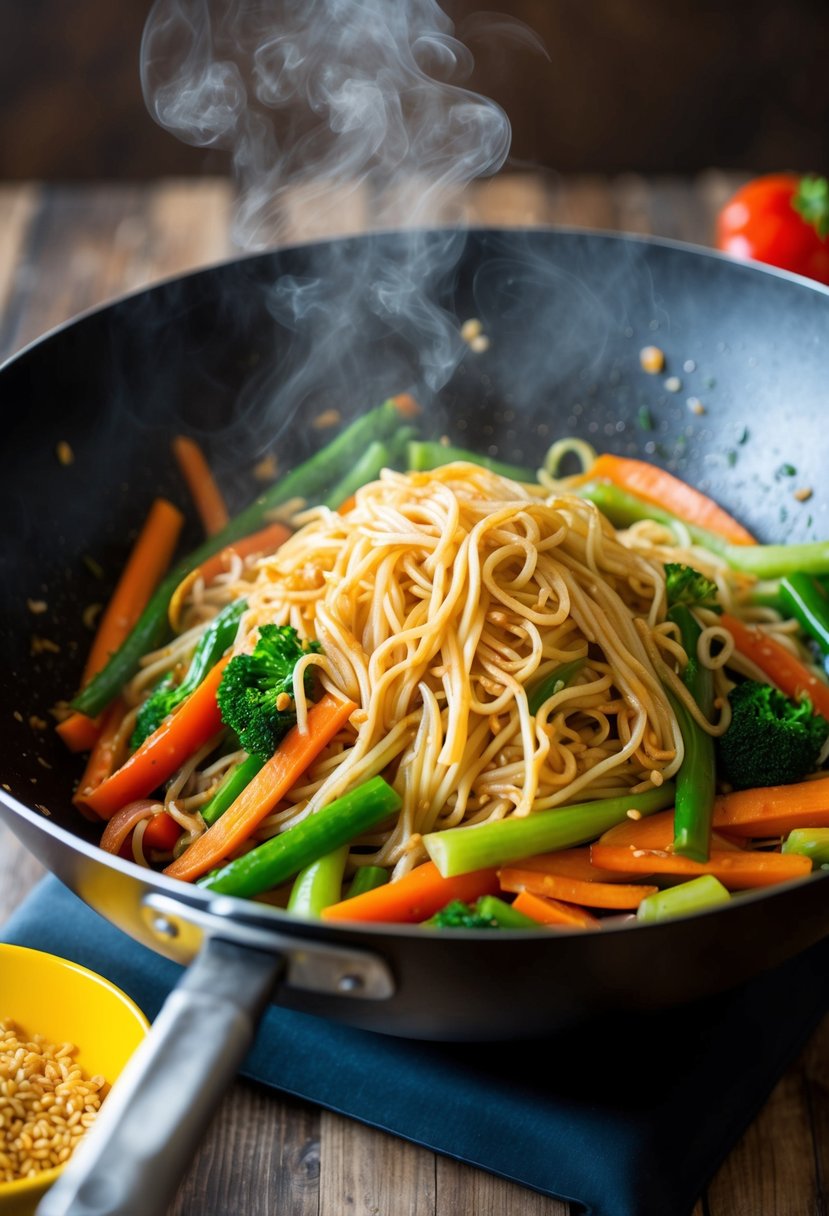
column 458, row 915
column 684, row 585
column 256, row 691
column 771, row 740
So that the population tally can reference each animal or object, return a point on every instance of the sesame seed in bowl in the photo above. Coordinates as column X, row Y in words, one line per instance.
column 65, row 1035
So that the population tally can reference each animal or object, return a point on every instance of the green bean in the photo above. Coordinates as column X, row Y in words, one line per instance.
column 425, row 455
column 328, row 829
column 695, row 781
column 308, row 480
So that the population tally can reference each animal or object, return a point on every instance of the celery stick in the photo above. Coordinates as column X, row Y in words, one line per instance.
column 459, row 850
column 366, row 879
column 328, row 829
column 764, row 561
column 684, row 899
column 811, row 842
column 318, row 885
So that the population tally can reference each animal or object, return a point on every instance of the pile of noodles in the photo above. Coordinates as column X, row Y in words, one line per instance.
column 439, row 599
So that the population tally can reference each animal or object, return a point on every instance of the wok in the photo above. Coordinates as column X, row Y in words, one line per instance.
column 244, row 354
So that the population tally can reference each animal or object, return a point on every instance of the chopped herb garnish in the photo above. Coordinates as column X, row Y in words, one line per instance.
column 644, row 418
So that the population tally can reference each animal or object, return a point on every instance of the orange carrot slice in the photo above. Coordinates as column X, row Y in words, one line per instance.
column 774, row 810
column 569, row 863
column 782, row 667
column 552, row 912
column 655, row 485
column 206, row 495
column 739, row 870
column 102, row 758
column 294, row 755
column 593, row 894
column 158, row 757
column 415, row 897
column 266, row 540
column 149, row 559
column 655, row 832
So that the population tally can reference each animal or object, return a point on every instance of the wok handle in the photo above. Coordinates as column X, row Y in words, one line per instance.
column 145, row 1137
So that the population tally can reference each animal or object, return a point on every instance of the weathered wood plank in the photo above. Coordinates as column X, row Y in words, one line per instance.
column 18, row 206
column 771, row 1171
column 260, row 1156
column 364, row 1172
column 463, row 1191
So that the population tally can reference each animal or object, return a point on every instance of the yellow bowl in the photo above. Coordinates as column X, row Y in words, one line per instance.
column 64, row 1003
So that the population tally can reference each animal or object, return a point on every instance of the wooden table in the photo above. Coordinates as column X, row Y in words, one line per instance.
column 65, row 249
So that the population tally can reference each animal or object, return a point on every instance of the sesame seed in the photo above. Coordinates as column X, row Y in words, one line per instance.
column 652, row 360
column 673, row 384
column 695, row 405
column 479, row 344
column 471, row 329
column 64, row 452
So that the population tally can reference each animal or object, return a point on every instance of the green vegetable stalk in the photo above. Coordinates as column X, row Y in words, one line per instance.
column 308, row 481
column 425, row 455
column 683, row 900
column 366, row 879
column 805, row 599
column 540, row 692
column 285, row 855
column 319, row 885
column 695, row 781
column 230, row 789
column 810, row 842
column 763, row 561
column 459, row 850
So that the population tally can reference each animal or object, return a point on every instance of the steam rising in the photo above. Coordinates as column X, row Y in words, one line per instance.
column 320, row 94
column 318, row 101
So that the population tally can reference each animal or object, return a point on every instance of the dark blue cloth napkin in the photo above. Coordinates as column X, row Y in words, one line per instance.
column 629, row 1119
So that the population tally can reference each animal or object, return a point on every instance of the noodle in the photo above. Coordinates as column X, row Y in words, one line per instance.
column 439, row 598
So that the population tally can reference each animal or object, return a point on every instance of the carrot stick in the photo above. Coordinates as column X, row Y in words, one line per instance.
column 415, row 897
column 774, row 810
column 738, row 870
column 568, row 863
column 655, row 832
column 150, row 557
column 79, row 732
column 782, row 667
column 575, row 890
column 165, row 750
column 664, row 490
column 102, row 758
column 161, row 832
column 264, row 541
column 552, row 912
column 206, row 495
column 294, row 755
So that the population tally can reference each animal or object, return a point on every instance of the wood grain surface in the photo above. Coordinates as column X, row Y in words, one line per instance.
column 63, row 250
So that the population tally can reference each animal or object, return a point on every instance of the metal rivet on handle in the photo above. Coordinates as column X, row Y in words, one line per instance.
column 349, row 983
column 164, row 927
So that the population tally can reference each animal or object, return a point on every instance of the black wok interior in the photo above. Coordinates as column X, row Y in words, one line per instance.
column 217, row 355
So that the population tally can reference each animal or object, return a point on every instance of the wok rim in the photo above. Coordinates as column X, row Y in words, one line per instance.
column 749, row 265
column 190, row 894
